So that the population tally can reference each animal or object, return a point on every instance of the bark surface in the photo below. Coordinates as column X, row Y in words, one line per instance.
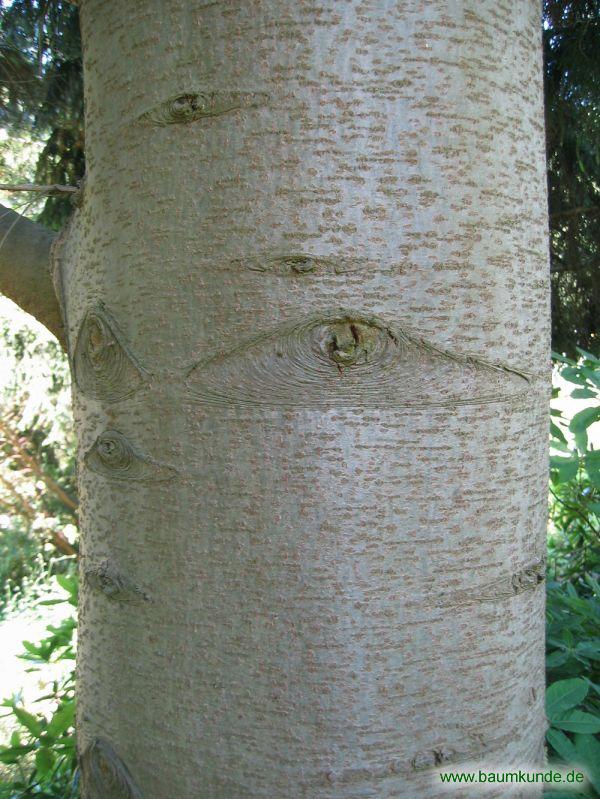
column 307, row 309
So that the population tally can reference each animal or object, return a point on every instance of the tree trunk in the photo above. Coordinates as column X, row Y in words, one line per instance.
column 307, row 309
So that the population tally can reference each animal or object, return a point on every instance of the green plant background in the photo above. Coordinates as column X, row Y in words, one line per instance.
column 573, row 590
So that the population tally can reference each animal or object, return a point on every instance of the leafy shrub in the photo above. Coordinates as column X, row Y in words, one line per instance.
column 574, row 529
column 37, row 454
column 573, row 590
column 18, row 557
column 38, row 539
column 42, row 751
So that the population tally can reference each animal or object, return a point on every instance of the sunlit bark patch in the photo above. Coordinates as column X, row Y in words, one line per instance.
column 349, row 359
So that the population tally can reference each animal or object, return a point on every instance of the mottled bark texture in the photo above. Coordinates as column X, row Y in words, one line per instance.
column 307, row 306
column 25, row 269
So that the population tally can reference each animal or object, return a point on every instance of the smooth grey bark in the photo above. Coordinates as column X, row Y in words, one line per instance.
column 25, row 269
column 307, row 309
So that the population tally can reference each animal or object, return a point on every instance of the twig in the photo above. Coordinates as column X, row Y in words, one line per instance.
column 576, row 510
column 593, row 209
column 26, row 507
column 61, row 543
column 17, row 219
column 35, row 467
column 54, row 188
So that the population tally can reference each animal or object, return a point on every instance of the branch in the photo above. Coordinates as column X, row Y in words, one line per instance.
column 27, row 510
column 61, row 543
column 53, row 188
column 25, row 269
column 575, row 510
column 588, row 209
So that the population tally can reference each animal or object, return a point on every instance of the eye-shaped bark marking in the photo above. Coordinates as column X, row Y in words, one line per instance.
column 192, row 106
column 104, row 774
column 437, row 757
column 104, row 367
column 303, row 263
column 529, row 578
column 107, row 580
column 347, row 359
column 113, row 456
column 526, row 579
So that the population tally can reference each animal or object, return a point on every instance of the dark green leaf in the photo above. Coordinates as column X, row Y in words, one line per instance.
column 12, row 754
column 583, row 393
column 62, row 719
column 562, row 744
column 592, row 466
column 580, row 423
column 565, row 467
column 44, row 760
column 588, row 754
column 557, row 658
column 589, row 649
column 564, row 695
column 557, row 433
column 588, row 355
column 28, row 720
column 578, row 721
column 572, row 374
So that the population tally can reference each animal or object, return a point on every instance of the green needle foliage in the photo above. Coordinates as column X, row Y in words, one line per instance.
column 572, row 93
column 41, row 90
